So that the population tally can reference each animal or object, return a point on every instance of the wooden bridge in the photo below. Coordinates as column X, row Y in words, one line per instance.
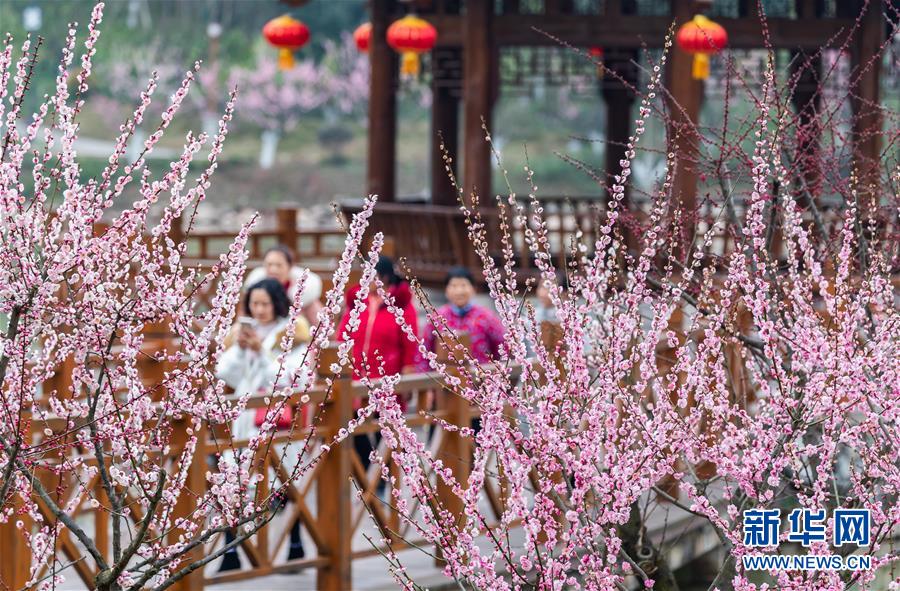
column 338, row 531
column 334, row 521
column 336, row 502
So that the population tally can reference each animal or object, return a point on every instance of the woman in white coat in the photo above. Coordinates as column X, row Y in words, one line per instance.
column 250, row 365
column 278, row 264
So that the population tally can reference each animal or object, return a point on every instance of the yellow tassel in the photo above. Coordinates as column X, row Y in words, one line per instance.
column 700, row 70
column 409, row 64
column 285, row 59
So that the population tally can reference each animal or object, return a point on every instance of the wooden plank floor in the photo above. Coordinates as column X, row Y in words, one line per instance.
column 666, row 524
column 369, row 574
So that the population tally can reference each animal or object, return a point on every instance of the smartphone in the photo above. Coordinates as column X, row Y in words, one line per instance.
column 246, row 322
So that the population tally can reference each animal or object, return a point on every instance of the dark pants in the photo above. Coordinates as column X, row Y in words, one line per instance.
column 364, row 447
column 232, row 561
column 295, row 550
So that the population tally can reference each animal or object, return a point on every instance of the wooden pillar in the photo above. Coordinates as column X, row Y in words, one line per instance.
column 510, row 7
column 748, row 9
column 333, row 490
column 186, row 505
column 16, row 563
column 286, row 220
column 866, row 80
column 176, row 232
column 445, row 87
column 557, row 7
column 101, row 519
column 807, row 101
column 456, row 454
column 619, row 101
column 807, row 9
column 684, row 106
column 477, row 94
column 381, row 174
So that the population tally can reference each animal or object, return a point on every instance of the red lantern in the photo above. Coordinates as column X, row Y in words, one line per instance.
column 702, row 38
column 288, row 35
column 597, row 54
column 411, row 36
column 361, row 36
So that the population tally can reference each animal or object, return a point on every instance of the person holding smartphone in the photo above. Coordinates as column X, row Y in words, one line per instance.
column 250, row 365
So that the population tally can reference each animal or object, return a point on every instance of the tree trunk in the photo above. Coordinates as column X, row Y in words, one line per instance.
column 268, row 149
column 135, row 145
column 210, row 123
column 642, row 551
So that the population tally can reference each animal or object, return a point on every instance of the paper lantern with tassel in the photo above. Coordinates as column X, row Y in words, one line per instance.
column 288, row 35
column 411, row 36
column 361, row 37
column 702, row 38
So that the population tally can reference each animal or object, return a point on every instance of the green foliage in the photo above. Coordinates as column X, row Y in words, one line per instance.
column 236, row 48
column 333, row 138
column 179, row 25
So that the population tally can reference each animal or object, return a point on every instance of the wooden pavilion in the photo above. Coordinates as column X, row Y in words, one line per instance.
column 466, row 84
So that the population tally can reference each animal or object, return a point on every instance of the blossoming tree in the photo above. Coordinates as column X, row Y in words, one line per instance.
column 80, row 297
column 335, row 86
column 686, row 378
column 126, row 76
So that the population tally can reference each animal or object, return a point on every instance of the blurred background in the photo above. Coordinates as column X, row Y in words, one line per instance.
column 299, row 135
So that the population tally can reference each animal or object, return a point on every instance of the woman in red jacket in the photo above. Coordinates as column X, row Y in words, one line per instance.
column 380, row 347
column 379, row 339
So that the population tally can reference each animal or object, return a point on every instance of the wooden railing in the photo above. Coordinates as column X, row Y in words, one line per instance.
column 434, row 238
column 312, row 244
column 324, row 500
column 431, row 238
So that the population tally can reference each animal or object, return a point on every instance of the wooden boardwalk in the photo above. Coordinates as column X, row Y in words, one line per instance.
column 358, row 564
column 666, row 524
column 369, row 574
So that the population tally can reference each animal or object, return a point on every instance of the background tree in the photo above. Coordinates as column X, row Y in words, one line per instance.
column 276, row 100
